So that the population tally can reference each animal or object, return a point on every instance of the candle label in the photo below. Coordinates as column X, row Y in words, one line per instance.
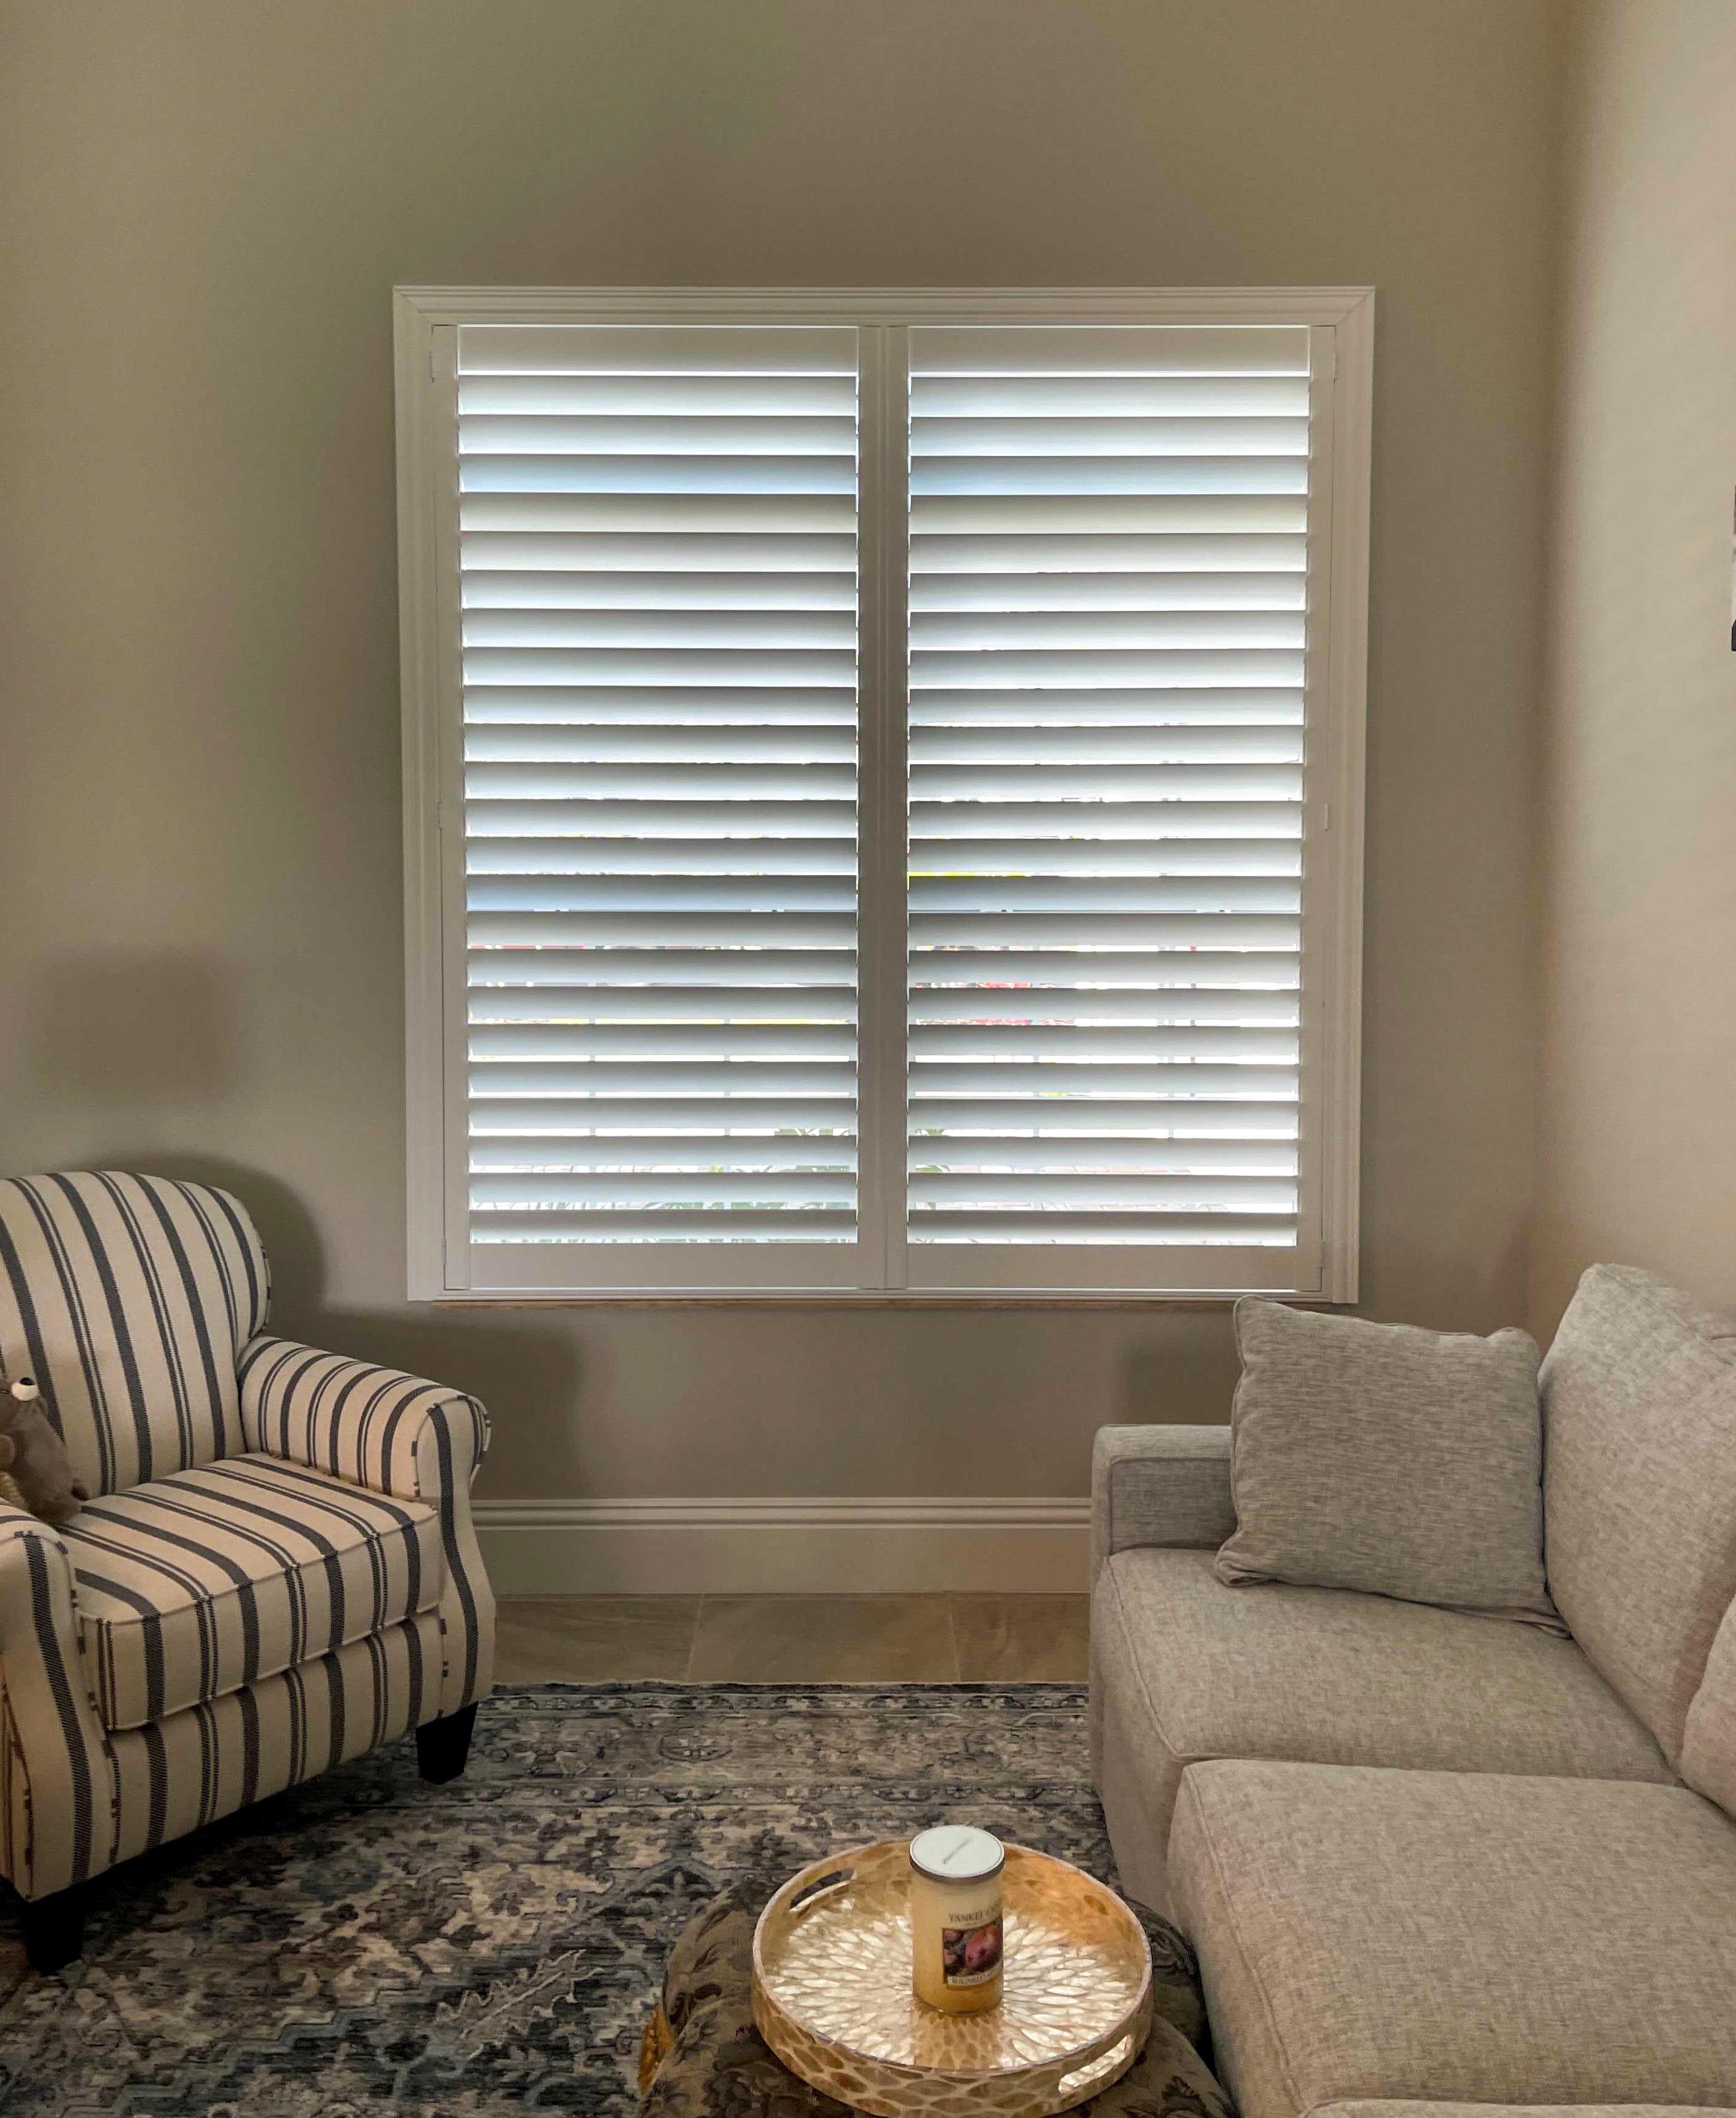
column 970, row 1956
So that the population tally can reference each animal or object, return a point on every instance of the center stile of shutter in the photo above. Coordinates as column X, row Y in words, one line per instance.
column 1108, row 617
column 658, row 564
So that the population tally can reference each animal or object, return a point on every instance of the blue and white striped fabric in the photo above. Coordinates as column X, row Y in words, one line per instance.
column 129, row 1298
column 280, row 1570
column 56, row 1823
column 394, row 1433
column 195, row 1767
column 196, row 1584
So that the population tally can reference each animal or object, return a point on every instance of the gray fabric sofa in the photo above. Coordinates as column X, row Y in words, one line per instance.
column 1433, row 1862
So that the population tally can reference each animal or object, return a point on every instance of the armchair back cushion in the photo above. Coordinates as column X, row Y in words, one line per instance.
column 129, row 1298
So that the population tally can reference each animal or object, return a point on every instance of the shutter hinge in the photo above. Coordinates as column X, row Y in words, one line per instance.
column 432, row 376
column 1332, row 356
column 1326, row 816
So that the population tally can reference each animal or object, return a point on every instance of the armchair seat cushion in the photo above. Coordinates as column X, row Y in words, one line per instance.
column 193, row 1585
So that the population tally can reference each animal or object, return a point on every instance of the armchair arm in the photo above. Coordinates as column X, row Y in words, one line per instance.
column 397, row 1434
column 1159, row 1485
column 57, row 1779
column 378, row 1427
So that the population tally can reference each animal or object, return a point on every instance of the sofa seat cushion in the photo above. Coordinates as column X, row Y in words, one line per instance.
column 196, row 1584
column 1190, row 1668
column 1469, row 1937
column 1390, row 2107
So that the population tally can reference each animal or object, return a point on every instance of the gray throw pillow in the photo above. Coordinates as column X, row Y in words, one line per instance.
column 1379, row 1457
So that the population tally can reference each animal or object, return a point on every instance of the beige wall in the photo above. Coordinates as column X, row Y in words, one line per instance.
column 1638, row 1100
column 206, row 204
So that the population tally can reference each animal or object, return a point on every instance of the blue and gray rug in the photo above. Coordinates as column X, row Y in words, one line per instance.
column 369, row 1944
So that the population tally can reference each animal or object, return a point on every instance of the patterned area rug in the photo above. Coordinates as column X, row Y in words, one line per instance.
column 367, row 1943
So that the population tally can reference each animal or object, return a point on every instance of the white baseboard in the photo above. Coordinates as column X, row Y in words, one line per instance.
column 688, row 1547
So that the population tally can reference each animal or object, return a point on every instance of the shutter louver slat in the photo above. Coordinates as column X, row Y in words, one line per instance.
column 658, row 562
column 1108, row 604
column 689, row 705
column 506, row 1117
column 605, row 1079
column 642, row 1151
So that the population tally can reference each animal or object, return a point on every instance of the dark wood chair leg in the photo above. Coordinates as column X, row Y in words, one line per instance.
column 54, row 1929
column 443, row 1746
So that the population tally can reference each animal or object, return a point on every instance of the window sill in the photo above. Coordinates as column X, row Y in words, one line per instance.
column 831, row 1298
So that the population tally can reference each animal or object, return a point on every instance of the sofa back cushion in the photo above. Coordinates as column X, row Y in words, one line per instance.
column 1380, row 1457
column 1708, row 1761
column 128, row 1299
column 1639, row 1396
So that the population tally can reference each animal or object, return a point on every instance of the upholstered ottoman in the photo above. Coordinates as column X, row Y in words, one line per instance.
column 701, row 2057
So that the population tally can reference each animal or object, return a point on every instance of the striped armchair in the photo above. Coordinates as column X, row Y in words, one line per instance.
column 276, row 1569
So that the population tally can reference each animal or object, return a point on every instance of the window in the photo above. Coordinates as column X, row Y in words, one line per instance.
column 883, row 790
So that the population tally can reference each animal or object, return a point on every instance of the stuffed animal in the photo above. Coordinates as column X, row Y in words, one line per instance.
column 10, row 1491
column 34, row 1463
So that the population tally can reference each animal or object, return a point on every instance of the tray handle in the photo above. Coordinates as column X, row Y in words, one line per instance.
column 822, row 1885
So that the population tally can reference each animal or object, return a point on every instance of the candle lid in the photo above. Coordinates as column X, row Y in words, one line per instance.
column 956, row 1853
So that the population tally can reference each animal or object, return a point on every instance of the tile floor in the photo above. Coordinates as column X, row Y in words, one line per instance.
column 793, row 1639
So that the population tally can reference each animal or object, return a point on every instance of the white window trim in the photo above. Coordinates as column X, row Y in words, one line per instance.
column 438, row 1249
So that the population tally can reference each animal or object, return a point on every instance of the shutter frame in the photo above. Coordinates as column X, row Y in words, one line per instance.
column 441, row 1264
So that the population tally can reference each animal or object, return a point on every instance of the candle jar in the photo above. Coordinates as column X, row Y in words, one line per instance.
column 955, row 1873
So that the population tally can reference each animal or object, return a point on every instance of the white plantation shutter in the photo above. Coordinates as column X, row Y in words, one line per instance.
column 657, row 556
column 1108, row 593
column 884, row 791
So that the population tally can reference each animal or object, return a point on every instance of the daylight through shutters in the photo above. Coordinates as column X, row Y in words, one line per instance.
column 658, row 557
column 1108, row 570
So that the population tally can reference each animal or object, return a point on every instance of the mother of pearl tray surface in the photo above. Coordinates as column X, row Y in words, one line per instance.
column 833, row 1997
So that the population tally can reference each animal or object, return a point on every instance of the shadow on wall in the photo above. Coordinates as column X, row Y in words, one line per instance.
column 131, row 1026
column 1493, row 1284
column 1189, row 1362
column 509, row 1364
column 160, row 1033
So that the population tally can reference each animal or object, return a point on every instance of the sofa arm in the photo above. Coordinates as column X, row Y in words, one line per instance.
column 1159, row 1485
column 397, row 1434
column 57, row 1779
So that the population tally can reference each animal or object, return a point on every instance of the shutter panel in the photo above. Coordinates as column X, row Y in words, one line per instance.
column 1108, row 592
column 657, row 561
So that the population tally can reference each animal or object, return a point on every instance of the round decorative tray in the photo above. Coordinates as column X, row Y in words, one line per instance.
column 833, row 1997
